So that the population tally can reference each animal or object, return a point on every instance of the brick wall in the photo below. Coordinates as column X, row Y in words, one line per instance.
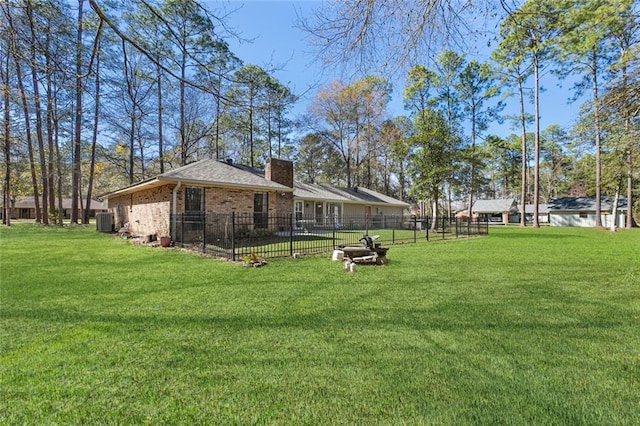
column 283, row 203
column 146, row 212
column 223, row 200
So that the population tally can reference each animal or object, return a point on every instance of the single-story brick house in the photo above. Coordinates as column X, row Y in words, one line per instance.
column 581, row 211
column 205, row 186
column 212, row 186
column 25, row 207
column 321, row 204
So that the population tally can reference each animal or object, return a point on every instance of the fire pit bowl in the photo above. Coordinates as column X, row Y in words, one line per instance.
column 368, row 252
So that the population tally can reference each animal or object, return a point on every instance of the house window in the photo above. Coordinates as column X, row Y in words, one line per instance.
column 584, row 215
column 260, row 209
column 193, row 199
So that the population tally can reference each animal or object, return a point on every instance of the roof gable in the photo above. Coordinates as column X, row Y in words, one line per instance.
column 214, row 172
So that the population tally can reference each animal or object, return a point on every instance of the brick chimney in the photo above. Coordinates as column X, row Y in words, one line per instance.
column 279, row 171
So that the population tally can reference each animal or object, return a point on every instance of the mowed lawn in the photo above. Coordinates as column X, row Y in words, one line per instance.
column 523, row 326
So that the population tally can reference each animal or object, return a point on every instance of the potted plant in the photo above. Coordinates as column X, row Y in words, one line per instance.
column 165, row 238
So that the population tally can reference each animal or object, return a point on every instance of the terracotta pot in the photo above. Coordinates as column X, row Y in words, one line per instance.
column 165, row 241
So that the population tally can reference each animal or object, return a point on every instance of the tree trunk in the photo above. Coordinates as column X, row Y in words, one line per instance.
column 132, row 113
column 434, row 208
column 536, row 148
column 56, row 131
column 269, row 110
column 183, row 130
column 472, row 163
column 38, row 110
column 6, row 193
column 140, row 140
column 218, row 115
column 629, row 189
column 251, row 94
column 27, row 124
column 596, row 124
column 280, row 118
column 49, row 118
column 94, row 140
column 160, row 124
column 614, row 210
column 523, row 162
column 77, row 142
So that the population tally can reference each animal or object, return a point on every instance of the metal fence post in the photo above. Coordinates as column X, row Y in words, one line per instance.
column 233, row 236
column 203, row 220
column 333, row 234
column 290, row 234
column 182, row 230
column 427, row 227
column 415, row 228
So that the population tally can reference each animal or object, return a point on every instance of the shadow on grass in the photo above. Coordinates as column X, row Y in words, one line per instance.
column 438, row 318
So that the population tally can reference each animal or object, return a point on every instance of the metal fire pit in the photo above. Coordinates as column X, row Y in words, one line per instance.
column 368, row 252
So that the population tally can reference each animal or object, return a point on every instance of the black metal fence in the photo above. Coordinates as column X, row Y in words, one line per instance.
column 236, row 236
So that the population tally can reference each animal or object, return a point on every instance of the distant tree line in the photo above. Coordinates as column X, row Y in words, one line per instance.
column 441, row 150
column 98, row 95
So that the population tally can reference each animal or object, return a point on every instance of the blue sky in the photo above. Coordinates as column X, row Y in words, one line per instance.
column 276, row 42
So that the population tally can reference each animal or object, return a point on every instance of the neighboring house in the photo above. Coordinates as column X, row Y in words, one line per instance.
column 25, row 207
column 496, row 211
column 543, row 212
column 204, row 186
column 581, row 211
column 323, row 205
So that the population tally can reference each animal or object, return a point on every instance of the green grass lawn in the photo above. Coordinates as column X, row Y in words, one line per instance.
column 523, row 326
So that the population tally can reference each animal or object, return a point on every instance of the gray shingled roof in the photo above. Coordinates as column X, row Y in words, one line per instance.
column 585, row 203
column 494, row 206
column 209, row 172
column 542, row 208
column 324, row 192
column 217, row 173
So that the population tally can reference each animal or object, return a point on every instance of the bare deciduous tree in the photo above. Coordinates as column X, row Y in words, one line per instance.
column 385, row 35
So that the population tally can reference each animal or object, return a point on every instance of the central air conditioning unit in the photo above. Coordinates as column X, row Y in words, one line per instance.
column 104, row 222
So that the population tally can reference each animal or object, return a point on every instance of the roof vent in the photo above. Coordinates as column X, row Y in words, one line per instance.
column 229, row 160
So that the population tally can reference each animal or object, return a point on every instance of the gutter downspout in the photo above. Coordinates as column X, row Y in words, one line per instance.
column 174, row 210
